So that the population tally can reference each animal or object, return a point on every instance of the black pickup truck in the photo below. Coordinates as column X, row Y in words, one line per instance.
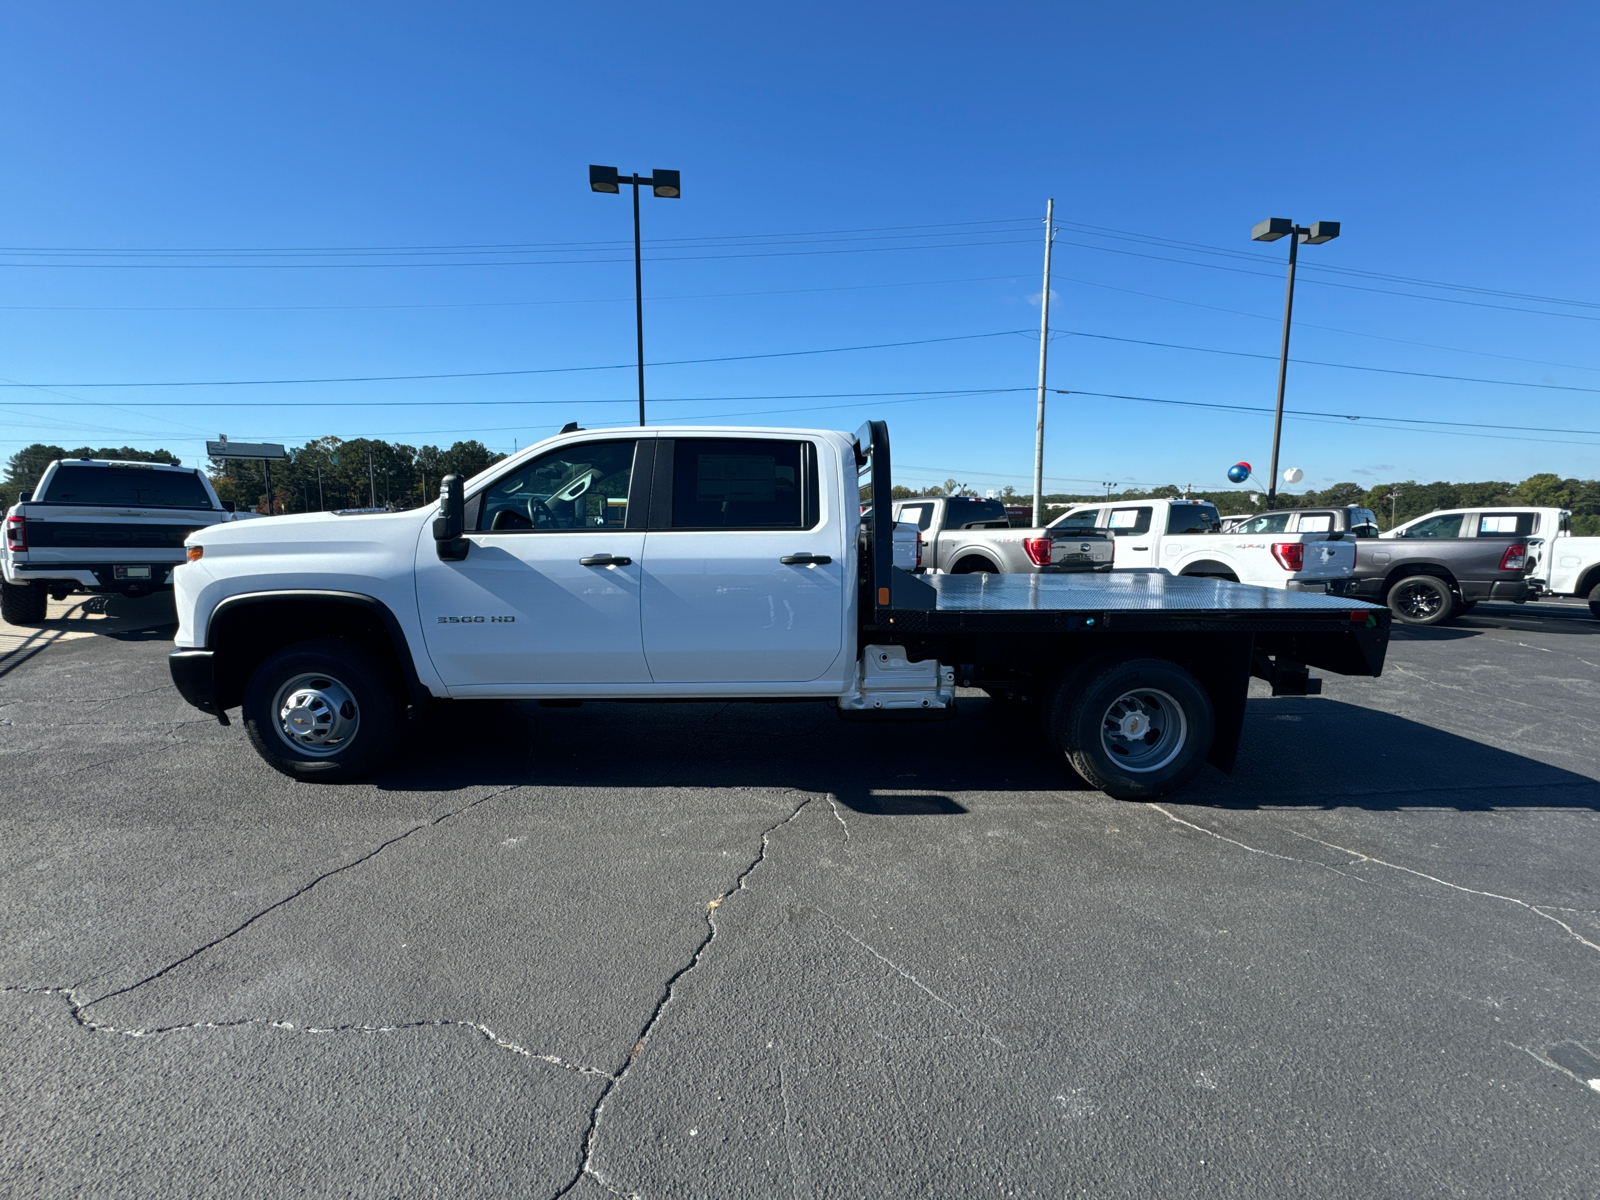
column 1424, row 579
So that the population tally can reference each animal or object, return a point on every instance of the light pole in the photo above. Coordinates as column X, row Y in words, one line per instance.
column 664, row 184
column 1271, row 230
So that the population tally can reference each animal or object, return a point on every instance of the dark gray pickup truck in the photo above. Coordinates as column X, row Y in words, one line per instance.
column 1425, row 579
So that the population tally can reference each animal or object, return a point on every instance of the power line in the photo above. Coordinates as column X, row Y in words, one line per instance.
column 1232, row 252
column 861, row 287
column 966, row 337
column 1313, row 362
column 356, row 266
column 1330, row 283
column 490, row 246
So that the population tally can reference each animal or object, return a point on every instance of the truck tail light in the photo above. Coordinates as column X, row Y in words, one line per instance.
column 919, row 549
column 1515, row 558
column 1291, row 556
column 16, row 533
column 1038, row 550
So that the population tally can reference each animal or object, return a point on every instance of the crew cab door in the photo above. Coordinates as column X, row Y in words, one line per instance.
column 549, row 590
column 1135, row 545
column 744, row 564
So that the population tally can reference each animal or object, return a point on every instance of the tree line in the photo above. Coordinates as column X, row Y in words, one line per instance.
column 331, row 473
column 327, row 474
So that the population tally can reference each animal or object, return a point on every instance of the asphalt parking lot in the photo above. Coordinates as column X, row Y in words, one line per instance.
column 719, row 950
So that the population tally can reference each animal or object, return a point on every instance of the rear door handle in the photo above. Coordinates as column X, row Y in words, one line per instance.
column 802, row 560
column 604, row 560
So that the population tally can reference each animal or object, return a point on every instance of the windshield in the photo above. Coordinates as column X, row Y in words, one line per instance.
column 125, row 487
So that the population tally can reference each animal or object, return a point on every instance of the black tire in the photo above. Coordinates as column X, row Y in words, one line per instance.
column 1136, row 729
column 23, row 603
column 349, row 706
column 975, row 566
column 1227, row 576
column 1594, row 602
column 1422, row 600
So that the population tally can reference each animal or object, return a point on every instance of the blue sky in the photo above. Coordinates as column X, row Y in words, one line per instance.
column 875, row 174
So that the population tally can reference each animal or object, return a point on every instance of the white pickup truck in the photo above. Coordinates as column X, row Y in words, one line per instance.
column 963, row 535
column 1181, row 537
column 1564, row 565
column 673, row 564
column 101, row 525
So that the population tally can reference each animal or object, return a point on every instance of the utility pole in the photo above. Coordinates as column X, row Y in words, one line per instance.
column 1044, row 353
column 372, row 483
column 321, row 503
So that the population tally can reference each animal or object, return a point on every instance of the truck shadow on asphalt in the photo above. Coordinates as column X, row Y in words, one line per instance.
column 1297, row 754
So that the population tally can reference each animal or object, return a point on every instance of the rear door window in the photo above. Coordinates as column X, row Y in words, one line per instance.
column 125, row 487
column 962, row 513
column 1507, row 524
column 1446, row 525
column 1270, row 523
column 743, row 483
column 1125, row 522
column 922, row 514
column 1089, row 518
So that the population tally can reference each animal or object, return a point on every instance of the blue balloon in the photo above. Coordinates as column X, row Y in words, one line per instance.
column 1239, row 472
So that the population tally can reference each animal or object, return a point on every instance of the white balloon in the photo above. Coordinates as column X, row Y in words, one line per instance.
column 1293, row 475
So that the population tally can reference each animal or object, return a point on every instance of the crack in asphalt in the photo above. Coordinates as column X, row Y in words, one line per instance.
column 1357, row 858
column 78, row 1008
column 839, row 817
column 586, row 1167
column 983, row 1030
column 1533, row 908
column 295, row 895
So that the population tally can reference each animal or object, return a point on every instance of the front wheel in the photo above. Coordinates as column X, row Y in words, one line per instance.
column 1422, row 600
column 1136, row 729
column 23, row 603
column 1594, row 602
column 324, row 710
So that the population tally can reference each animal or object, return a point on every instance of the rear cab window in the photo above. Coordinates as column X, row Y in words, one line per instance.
column 743, row 483
column 125, row 487
column 1192, row 518
column 1320, row 522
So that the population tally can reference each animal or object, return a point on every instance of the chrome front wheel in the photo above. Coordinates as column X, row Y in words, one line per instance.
column 317, row 714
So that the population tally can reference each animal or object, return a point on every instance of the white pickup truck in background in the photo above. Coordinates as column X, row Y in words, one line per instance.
column 962, row 535
column 1181, row 537
column 101, row 525
column 1564, row 565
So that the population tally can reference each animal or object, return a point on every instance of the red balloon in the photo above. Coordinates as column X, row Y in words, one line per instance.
column 1246, row 466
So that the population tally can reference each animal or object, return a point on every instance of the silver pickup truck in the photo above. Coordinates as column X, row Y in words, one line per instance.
column 961, row 535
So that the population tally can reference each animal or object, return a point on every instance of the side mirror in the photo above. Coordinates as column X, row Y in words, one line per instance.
column 449, row 524
column 229, row 506
column 24, row 497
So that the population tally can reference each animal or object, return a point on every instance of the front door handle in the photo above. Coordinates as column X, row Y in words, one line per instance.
column 804, row 560
column 604, row 560
column 1141, row 547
